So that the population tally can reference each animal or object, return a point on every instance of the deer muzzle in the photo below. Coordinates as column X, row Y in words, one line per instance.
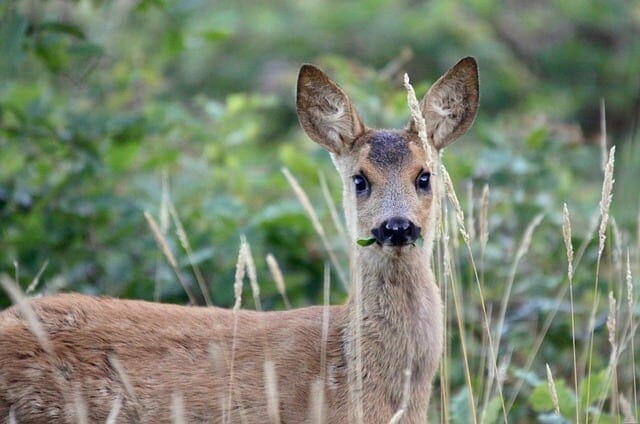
column 396, row 231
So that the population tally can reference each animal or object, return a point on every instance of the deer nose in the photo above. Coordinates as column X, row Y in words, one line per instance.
column 396, row 231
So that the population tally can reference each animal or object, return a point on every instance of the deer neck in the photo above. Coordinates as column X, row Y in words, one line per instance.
column 401, row 317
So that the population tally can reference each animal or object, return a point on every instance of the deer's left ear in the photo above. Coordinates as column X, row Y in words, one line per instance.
column 450, row 105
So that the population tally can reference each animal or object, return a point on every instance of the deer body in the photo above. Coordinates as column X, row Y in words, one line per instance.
column 135, row 359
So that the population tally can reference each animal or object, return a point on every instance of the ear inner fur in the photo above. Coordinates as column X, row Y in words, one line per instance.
column 325, row 111
column 450, row 105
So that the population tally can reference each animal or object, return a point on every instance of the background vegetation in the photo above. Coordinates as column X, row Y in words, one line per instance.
column 112, row 108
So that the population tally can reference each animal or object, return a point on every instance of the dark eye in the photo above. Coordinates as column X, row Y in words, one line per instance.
column 361, row 183
column 422, row 183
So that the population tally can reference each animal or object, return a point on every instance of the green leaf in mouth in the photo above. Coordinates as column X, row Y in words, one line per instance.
column 419, row 241
column 366, row 242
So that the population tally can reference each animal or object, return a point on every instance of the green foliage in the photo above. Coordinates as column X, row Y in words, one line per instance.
column 110, row 109
column 592, row 392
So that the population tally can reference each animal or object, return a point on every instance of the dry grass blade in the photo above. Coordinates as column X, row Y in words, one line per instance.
column 241, row 267
column 471, row 224
column 484, row 219
column 522, row 250
column 112, row 418
column 627, row 411
column 124, row 378
column 566, row 235
column 613, row 356
column 605, row 199
column 276, row 273
column 433, row 164
column 317, row 225
column 553, row 391
column 603, row 135
column 617, row 246
column 325, row 321
column 184, row 242
column 318, row 407
column 335, row 216
column 79, row 406
column 611, row 329
column 605, row 203
column 630, row 326
column 460, row 319
column 177, row 409
column 36, row 280
column 271, row 388
column 453, row 198
column 638, row 231
column 253, row 277
column 356, row 366
column 406, row 392
column 28, row 314
column 166, row 250
column 418, row 119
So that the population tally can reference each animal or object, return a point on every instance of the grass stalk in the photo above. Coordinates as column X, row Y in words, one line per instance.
column 168, row 254
column 271, row 388
column 553, row 391
column 241, row 265
column 605, row 203
column 276, row 273
column 317, row 225
column 457, row 304
column 186, row 245
column 112, row 418
column 177, row 409
column 630, row 328
column 566, row 234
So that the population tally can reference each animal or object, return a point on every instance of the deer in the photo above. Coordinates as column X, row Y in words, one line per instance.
column 76, row 358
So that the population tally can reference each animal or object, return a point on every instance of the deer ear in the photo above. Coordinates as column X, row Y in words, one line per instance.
column 325, row 112
column 450, row 105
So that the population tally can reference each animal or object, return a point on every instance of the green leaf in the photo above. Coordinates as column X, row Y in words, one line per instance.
column 216, row 35
column 597, row 384
column 540, row 398
column 366, row 242
column 64, row 28
column 493, row 412
column 537, row 138
column 460, row 410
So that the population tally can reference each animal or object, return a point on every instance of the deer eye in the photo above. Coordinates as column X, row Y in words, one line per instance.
column 361, row 184
column 422, row 182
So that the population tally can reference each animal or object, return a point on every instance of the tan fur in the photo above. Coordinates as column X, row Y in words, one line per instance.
column 142, row 356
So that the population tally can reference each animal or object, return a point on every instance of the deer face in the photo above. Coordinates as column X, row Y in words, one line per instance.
column 390, row 187
column 387, row 191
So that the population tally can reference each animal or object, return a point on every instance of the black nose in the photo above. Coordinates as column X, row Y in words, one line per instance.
column 396, row 232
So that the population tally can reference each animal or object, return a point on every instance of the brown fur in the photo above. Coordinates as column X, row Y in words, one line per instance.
column 140, row 355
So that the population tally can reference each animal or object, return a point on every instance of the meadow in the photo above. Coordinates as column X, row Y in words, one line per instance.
column 145, row 143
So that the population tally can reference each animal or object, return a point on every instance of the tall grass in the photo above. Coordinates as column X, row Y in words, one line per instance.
column 502, row 381
column 590, row 392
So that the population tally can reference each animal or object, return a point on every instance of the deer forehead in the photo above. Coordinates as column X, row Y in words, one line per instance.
column 388, row 153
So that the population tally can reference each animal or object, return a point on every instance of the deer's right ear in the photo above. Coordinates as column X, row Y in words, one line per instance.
column 450, row 105
column 325, row 112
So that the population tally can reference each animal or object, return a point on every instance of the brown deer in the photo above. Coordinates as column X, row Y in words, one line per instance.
column 86, row 359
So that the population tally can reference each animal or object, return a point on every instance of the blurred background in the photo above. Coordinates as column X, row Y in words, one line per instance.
column 112, row 108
